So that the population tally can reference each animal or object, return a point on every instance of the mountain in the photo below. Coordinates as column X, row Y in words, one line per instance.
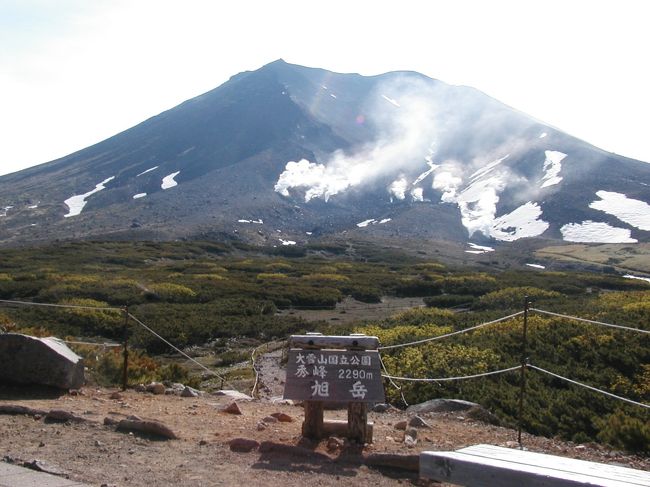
column 287, row 153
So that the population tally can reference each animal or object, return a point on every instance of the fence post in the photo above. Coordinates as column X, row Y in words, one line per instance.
column 524, row 362
column 126, row 349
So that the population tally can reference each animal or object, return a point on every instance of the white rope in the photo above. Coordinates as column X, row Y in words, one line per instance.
column 257, row 372
column 393, row 383
column 446, row 379
column 94, row 343
column 96, row 308
column 647, row 406
column 178, row 349
column 418, row 342
column 628, row 328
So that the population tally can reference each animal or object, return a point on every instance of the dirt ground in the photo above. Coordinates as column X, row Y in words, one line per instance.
column 92, row 452
column 350, row 310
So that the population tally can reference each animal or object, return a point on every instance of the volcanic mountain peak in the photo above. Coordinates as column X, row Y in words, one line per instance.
column 311, row 152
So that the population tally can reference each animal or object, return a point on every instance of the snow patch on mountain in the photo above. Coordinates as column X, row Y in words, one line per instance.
column 259, row 221
column 77, row 202
column 536, row 266
column 4, row 210
column 287, row 242
column 478, row 249
column 552, row 168
column 521, row 223
column 595, row 232
column 373, row 221
column 391, row 101
column 631, row 211
column 146, row 171
column 139, row 195
column 187, row 151
column 478, row 204
column 168, row 181
column 365, row 223
column 432, row 166
column 630, row 276
column 542, row 135
column 487, row 168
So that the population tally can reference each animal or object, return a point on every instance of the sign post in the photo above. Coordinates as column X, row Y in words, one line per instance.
column 339, row 369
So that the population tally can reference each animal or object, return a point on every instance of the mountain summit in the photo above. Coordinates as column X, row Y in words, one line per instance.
column 286, row 153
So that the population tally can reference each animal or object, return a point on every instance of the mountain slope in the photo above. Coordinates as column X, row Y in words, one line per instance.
column 286, row 153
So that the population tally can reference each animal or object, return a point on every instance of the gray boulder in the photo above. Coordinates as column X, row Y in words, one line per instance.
column 239, row 396
column 46, row 361
column 441, row 406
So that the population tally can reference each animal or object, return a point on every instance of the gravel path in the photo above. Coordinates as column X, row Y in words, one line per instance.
column 271, row 375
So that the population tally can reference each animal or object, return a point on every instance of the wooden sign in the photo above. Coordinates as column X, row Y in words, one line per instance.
column 334, row 376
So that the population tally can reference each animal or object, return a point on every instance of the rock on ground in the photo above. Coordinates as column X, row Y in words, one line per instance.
column 32, row 360
column 441, row 406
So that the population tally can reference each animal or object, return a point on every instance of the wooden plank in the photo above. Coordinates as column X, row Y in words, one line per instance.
column 478, row 467
column 312, row 427
column 339, row 427
column 333, row 341
column 594, row 469
column 358, row 422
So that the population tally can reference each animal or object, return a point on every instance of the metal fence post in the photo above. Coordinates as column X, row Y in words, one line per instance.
column 524, row 362
column 125, row 369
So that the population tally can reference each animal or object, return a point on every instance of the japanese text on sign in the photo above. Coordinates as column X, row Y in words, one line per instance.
column 334, row 375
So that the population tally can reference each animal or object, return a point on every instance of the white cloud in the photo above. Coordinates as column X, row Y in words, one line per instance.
column 448, row 183
column 405, row 137
column 398, row 188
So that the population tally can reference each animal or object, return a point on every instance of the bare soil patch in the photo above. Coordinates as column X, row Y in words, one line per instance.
column 93, row 452
column 350, row 310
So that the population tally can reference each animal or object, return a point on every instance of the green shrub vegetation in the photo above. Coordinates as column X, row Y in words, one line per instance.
column 193, row 293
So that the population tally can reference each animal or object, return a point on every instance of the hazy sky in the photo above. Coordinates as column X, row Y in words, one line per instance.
column 74, row 72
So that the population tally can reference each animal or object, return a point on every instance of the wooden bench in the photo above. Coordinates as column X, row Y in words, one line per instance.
column 493, row 466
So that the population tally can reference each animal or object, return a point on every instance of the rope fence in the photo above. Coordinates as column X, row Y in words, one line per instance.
column 630, row 401
column 167, row 342
column 385, row 374
column 390, row 379
column 127, row 315
column 459, row 332
column 447, row 379
column 49, row 305
column 255, row 369
column 592, row 322
column 109, row 345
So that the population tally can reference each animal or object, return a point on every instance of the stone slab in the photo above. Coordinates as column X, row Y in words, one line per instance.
column 15, row 476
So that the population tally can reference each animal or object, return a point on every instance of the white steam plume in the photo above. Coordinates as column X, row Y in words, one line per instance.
column 404, row 111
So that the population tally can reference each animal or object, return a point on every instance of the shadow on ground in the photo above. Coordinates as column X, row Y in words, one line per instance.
column 31, row 391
